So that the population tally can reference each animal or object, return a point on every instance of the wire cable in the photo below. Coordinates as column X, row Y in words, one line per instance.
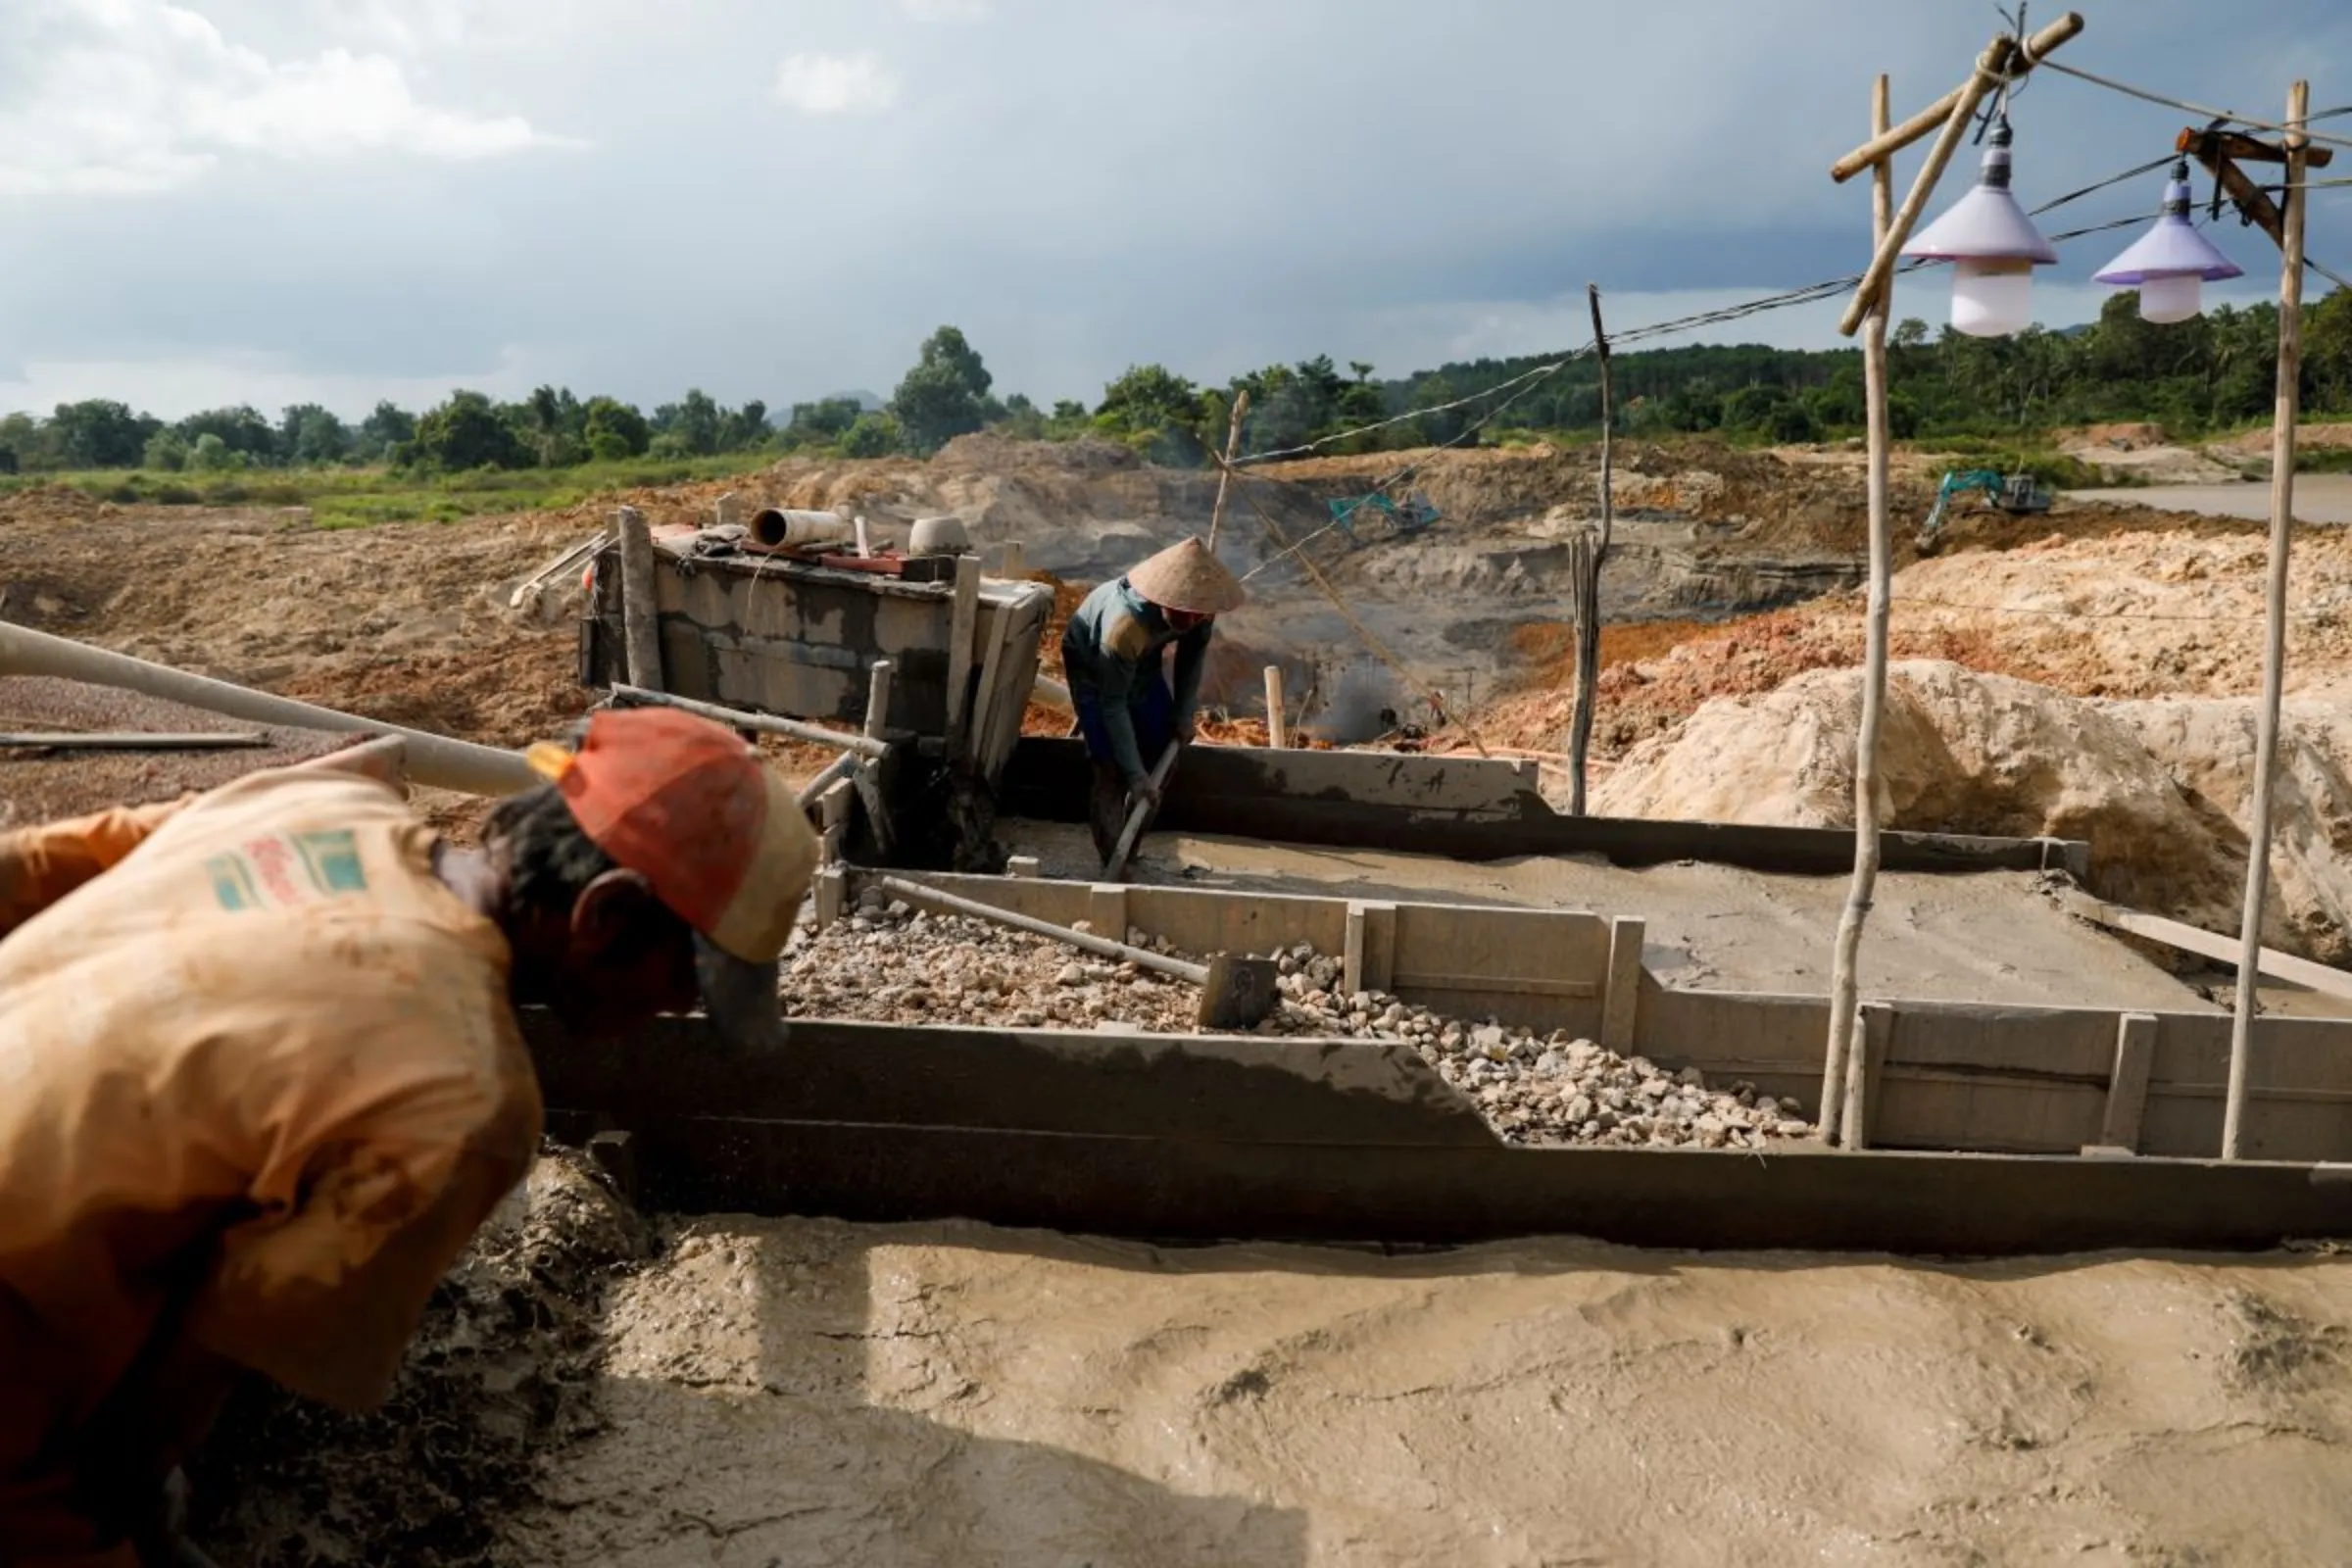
column 2185, row 107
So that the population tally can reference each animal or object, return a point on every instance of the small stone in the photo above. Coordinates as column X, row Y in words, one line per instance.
column 1690, row 1078
column 1084, row 928
column 1580, row 1108
column 1792, row 1105
column 1071, row 975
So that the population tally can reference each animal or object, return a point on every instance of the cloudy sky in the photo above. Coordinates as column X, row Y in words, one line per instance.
column 268, row 201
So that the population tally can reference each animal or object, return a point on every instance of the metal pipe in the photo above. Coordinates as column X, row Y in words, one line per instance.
column 775, row 527
column 434, row 761
column 766, row 723
column 835, row 771
column 1084, row 941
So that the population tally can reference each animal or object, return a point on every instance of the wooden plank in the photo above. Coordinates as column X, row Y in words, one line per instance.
column 1106, row 910
column 1503, row 985
column 2128, row 1090
column 959, row 648
column 2225, row 950
column 987, row 700
column 1621, row 1003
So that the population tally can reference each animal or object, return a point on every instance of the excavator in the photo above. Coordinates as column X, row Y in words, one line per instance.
column 2018, row 494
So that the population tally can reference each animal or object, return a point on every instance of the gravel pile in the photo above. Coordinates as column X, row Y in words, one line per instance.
column 888, row 963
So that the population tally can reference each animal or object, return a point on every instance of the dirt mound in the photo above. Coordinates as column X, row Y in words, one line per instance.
column 2157, row 789
column 497, row 1381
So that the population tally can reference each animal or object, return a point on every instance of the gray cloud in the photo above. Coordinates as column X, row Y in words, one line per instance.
column 1080, row 186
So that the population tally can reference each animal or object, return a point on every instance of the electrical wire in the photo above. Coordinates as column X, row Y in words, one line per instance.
column 2185, row 107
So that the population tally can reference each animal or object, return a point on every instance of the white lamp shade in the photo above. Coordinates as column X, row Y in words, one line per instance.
column 2173, row 298
column 1986, row 223
column 1992, row 298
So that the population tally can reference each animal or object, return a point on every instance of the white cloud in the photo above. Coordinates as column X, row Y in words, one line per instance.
column 121, row 96
column 836, row 84
column 945, row 9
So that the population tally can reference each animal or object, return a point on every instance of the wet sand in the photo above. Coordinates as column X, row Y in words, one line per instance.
column 2320, row 498
column 781, row 1393
column 1990, row 937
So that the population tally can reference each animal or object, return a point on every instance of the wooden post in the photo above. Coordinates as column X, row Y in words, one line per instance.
column 1877, row 281
column 2273, row 658
column 1621, row 1000
column 1278, row 732
column 1014, row 564
column 1886, row 143
column 960, row 647
column 1586, row 558
column 640, row 610
column 1874, row 1033
column 2127, row 1084
column 1233, row 448
column 1844, row 987
column 877, row 699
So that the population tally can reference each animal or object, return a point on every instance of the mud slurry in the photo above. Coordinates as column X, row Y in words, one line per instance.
column 501, row 1374
column 777, row 1393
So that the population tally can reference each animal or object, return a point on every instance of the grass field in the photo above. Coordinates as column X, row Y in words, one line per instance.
column 354, row 498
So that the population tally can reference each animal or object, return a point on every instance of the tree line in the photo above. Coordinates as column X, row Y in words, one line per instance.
column 2211, row 373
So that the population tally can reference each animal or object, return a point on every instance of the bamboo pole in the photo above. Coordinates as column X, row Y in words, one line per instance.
column 764, row 723
column 434, row 761
column 1233, row 448
column 1881, row 274
column 1838, row 1070
column 1277, row 733
column 2274, row 657
column 640, row 611
column 1587, row 576
column 2003, row 57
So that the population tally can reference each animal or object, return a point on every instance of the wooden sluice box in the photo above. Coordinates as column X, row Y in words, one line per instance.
column 772, row 634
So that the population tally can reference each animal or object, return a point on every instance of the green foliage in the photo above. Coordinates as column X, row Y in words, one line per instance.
column 943, row 396
column 212, row 455
column 164, row 452
column 613, row 430
column 467, row 432
column 872, row 435
column 99, row 433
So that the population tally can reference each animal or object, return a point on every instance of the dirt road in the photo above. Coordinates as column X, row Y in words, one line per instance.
column 2320, row 498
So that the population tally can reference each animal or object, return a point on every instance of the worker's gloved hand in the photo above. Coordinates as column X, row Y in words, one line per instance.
column 1141, row 793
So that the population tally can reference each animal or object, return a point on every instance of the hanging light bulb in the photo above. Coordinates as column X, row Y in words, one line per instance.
column 2171, row 263
column 1994, row 247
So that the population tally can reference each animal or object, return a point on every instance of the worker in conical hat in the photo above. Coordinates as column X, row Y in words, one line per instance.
column 1113, row 655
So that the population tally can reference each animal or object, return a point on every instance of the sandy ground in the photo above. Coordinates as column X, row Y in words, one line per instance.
column 2324, row 498
column 1932, row 938
column 797, row 1392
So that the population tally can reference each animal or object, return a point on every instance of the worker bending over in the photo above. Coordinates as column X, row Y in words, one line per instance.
column 261, row 1075
column 1111, row 655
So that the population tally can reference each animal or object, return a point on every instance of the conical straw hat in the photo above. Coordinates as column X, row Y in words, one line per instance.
column 1186, row 576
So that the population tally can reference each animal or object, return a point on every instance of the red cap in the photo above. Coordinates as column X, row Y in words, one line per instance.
column 688, row 806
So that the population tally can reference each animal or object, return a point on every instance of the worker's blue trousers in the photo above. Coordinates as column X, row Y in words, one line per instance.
column 1150, row 703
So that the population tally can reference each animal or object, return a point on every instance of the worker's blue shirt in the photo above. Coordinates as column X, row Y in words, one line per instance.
column 1111, row 652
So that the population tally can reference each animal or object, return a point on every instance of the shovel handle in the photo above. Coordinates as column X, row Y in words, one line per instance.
column 1134, row 830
